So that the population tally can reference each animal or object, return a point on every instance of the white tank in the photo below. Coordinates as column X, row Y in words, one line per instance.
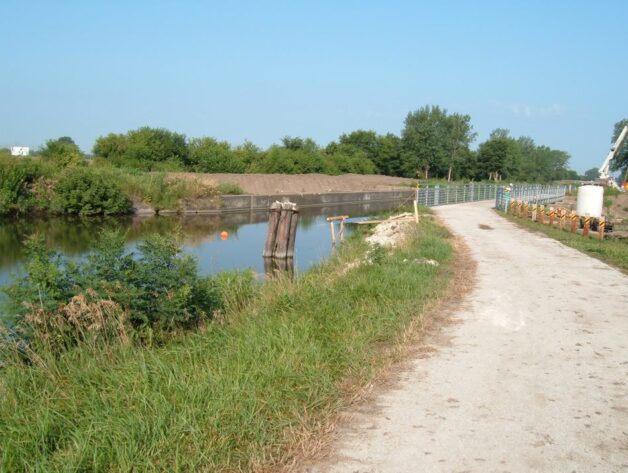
column 590, row 201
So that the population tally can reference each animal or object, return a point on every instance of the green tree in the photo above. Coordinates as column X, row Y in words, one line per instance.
column 210, row 155
column 344, row 158
column 112, row 147
column 248, row 153
column 499, row 156
column 460, row 135
column 300, row 144
column 424, row 143
column 146, row 148
column 384, row 151
column 620, row 163
column 435, row 142
column 591, row 174
column 63, row 152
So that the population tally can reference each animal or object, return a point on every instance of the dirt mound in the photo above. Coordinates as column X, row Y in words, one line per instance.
column 393, row 231
column 262, row 184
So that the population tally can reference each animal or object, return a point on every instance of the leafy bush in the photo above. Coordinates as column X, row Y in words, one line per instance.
column 111, row 293
column 18, row 176
column 63, row 152
column 209, row 155
column 85, row 191
column 146, row 148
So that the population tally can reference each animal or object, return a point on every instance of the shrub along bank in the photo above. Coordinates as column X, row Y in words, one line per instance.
column 39, row 186
column 237, row 395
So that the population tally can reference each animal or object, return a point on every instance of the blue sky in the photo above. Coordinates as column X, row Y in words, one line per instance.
column 554, row 71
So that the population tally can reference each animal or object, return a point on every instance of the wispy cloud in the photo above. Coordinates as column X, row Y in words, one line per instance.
column 531, row 111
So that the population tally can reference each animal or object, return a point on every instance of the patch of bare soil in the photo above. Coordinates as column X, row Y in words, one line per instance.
column 391, row 232
column 264, row 184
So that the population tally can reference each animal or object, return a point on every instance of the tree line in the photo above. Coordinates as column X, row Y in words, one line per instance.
column 432, row 144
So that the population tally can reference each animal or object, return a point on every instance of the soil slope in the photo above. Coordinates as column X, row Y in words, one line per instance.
column 263, row 184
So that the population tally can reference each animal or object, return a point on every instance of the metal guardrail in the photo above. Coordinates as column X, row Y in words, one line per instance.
column 534, row 194
column 432, row 196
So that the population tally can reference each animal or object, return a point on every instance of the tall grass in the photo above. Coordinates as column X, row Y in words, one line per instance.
column 236, row 396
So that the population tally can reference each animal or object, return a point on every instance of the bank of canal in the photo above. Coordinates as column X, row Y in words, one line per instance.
column 201, row 235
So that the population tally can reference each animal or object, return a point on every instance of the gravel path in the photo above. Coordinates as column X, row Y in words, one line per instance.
column 534, row 378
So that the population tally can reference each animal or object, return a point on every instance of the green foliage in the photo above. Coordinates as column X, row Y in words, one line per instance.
column 620, row 163
column 148, row 149
column 209, row 155
column 499, row 156
column 62, row 152
column 591, row 174
column 154, row 189
column 21, row 181
column 230, row 397
column 433, row 141
column 84, row 191
column 157, row 289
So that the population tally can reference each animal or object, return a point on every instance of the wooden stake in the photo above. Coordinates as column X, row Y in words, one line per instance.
column 273, row 221
column 552, row 213
column 294, row 221
column 283, row 231
column 587, row 225
column 333, row 232
column 561, row 213
column 574, row 221
column 600, row 228
column 416, row 212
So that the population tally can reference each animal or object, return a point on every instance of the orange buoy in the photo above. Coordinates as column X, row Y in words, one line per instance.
column 224, row 235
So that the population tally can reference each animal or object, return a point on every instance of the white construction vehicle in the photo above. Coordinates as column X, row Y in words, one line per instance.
column 604, row 171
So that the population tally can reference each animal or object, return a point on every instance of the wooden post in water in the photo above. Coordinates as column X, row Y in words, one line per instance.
column 273, row 221
column 292, row 237
column 282, row 230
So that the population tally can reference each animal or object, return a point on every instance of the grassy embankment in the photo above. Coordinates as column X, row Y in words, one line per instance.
column 243, row 393
column 611, row 251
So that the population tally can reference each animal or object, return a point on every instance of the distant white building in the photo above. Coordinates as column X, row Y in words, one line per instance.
column 20, row 150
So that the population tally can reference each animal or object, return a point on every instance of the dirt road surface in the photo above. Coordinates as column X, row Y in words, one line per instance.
column 534, row 378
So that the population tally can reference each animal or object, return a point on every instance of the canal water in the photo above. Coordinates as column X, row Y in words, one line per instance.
column 242, row 248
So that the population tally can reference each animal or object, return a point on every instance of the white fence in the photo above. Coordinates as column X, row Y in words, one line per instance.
column 432, row 196
column 534, row 194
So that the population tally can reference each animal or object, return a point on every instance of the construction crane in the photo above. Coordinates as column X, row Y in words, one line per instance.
column 604, row 171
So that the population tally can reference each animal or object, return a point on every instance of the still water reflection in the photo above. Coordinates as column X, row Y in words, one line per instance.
column 201, row 236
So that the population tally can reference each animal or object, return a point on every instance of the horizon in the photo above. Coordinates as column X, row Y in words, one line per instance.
column 262, row 72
